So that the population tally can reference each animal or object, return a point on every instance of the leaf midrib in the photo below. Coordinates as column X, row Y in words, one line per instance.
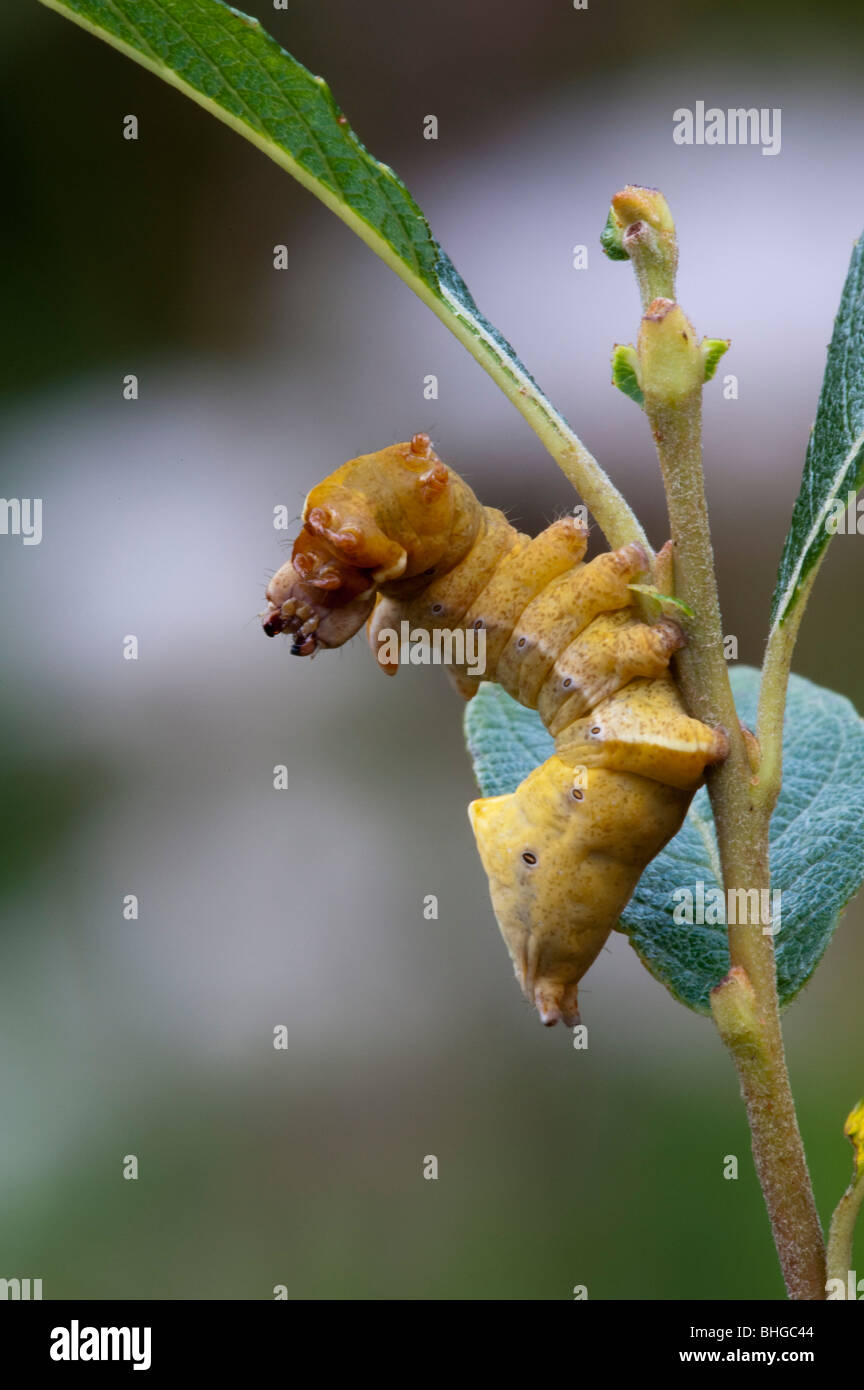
column 812, row 534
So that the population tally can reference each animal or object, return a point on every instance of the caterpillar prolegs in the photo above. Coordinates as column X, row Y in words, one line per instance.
column 398, row 536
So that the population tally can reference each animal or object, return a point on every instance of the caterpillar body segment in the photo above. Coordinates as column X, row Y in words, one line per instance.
column 398, row 537
column 563, row 854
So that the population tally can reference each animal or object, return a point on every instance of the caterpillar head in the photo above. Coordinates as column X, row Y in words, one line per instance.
column 387, row 513
column 379, row 520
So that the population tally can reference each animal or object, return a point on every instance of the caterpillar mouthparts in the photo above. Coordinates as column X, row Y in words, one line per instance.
column 316, row 615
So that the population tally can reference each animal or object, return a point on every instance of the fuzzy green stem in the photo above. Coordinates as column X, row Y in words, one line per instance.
column 655, row 275
column 748, row 1032
column 640, row 228
column 772, row 697
column 742, row 822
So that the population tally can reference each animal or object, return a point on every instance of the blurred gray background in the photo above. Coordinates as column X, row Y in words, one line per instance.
column 303, row 1167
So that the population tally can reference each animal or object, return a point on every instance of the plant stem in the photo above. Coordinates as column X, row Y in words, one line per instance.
column 612, row 513
column 742, row 819
column 772, row 696
column 677, row 436
column 756, row 1047
column 842, row 1233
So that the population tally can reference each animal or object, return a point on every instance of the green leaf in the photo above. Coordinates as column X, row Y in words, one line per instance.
column 506, row 741
column 834, row 465
column 652, row 591
column 611, row 239
column 712, row 350
column 817, row 835
column 624, row 372
column 226, row 63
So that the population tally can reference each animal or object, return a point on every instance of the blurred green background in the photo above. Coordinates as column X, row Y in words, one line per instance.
column 304, row 908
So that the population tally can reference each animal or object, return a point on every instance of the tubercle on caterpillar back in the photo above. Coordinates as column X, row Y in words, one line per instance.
column 398, row 537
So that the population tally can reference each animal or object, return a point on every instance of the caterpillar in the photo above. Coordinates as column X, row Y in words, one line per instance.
column 398, row 536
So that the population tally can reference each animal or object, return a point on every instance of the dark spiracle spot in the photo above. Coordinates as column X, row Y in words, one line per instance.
column 437, row 608
column 567, row 682
column 576, row 794
column 432, row 571
column 529, row 857
column 596, row 729
column 480, row 622
column 522, row 641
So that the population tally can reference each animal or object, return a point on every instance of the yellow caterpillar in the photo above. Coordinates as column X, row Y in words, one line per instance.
column 397, row 537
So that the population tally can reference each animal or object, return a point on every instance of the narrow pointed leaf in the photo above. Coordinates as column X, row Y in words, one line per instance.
column 228, row 64
column 834, row 465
